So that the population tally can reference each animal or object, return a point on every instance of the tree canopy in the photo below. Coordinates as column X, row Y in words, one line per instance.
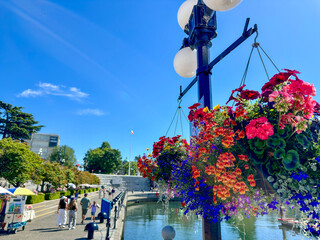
column 15, row 123
column 64, row 155
column 103, row 159
column 17, row 162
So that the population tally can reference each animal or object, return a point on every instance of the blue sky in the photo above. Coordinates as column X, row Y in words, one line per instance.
column 92, row 71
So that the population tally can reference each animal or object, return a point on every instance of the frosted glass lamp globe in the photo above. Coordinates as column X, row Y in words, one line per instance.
column 185, row 11
column 185, row 62
column 221, row 5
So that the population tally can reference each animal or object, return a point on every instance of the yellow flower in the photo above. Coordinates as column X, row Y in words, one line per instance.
column 217, row 107
column 167, row 148
column 224, row 113
column 206, row 109
column 147, row 149
column 149, row 155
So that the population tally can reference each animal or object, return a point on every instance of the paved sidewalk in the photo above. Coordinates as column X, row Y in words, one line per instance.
column 114, row 233
column 44, row 226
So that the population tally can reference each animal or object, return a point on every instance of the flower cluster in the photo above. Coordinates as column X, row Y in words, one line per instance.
column 166, row 152
column 267, row 135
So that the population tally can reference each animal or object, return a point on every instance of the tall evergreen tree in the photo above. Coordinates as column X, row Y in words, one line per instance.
column 15, row 123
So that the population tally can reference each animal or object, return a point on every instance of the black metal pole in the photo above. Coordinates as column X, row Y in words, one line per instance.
column 115, row 217
column 108, row 228
column 210, row 230
column 204, row 77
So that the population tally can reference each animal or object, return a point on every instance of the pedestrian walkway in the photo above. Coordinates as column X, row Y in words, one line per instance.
column 44, row 226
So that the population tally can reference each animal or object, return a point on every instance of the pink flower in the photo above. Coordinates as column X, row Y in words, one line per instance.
column 286, row 120
column 309, row 107
column 259, row 128
column 273, row 96
column 302, row 88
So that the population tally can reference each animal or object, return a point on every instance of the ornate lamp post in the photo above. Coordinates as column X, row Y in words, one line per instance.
column 198, row 20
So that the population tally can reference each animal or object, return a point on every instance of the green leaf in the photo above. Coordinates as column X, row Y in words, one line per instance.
column 259, row 159
column 303, row 140
column 276, row 142
column 258, row 151
column 280, row 153
column 291, row 160
column 284, row 133
column 259, row 143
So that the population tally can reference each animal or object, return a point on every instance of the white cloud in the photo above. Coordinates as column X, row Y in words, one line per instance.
column 49, row 87
column 88, row 111
column 55, row 90
column 30, row 93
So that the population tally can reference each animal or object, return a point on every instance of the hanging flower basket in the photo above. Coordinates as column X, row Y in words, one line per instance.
column 248, row 159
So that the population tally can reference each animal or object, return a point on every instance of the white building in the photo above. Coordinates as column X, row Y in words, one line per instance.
column 43, row 144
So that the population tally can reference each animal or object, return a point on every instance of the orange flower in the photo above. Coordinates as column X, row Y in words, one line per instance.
column 196, row 185
column 195, row 172
column 250, row 178
column 253, row 183
column 238, row 171
column 243, row 157
column 246, row 166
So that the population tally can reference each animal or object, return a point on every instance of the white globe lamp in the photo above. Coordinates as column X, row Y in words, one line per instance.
column 185, row 11
column 221, row 5
column 185, row 62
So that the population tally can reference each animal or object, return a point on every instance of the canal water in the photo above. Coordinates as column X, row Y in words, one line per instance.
column 145, row 221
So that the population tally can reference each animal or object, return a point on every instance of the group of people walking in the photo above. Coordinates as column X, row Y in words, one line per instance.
column 103, row 192
column 72, row 207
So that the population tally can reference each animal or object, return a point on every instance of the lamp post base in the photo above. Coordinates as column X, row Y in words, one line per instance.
column 211, row 230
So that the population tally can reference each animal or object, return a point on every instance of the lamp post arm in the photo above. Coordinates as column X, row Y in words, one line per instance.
column 182, row 93
column 245, row 35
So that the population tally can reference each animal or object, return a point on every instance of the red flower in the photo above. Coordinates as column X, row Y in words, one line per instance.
column 194, row 106
column 239, row 89
column 279, row 78
column 249, row 94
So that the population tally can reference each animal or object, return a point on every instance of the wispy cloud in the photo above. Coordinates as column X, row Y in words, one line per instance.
column 89, row 111
column 54, row 90
column 30, row 93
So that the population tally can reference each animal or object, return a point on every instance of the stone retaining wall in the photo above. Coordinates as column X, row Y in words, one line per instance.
column 125, row 182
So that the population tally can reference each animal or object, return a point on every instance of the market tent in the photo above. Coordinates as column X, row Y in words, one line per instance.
column 21, row 191
column 4, row 191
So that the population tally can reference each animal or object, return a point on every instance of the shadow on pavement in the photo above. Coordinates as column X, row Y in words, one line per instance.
column 81, row 239
column 47, row 230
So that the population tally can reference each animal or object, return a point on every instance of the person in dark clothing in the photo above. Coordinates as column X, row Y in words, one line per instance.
column 76, row 195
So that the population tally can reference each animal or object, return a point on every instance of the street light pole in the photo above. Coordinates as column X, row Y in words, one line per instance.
column 201, row 29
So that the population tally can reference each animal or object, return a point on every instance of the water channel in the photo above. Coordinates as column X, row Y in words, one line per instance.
column 145, row 221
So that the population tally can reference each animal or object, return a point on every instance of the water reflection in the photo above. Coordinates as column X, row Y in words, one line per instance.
column 145, row 221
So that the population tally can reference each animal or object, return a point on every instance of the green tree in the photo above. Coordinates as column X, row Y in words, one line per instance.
column 15, row 123
column 17, row 162
column 103, row 159
column 69, row 175
column 49, row 172
column 133, row 166
column 64, row 155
